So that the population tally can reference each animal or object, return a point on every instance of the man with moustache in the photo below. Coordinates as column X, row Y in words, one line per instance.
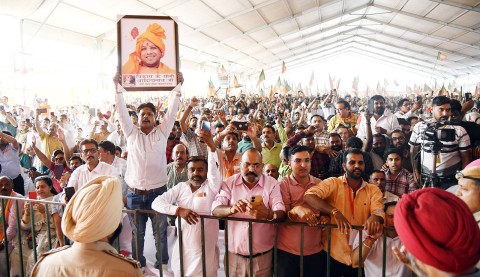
column 235, row 199
column 350, row 201
column 187, row 200
column 172, row 141
column 378, row 178
column 10, row 214
column 272, row 171
column 189, row 136
column 373, row 249
column 381, row 122
column 453, row 156
column 9, row 162
column 399, row 141
column 92, row 168
column 49, row 141
column 177, row 170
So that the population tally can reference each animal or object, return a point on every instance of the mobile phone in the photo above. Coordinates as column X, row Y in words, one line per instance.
column 32, row 195
column 42, row 110
column 58, row 171
column 52, row 113
column 468, row 96
column 240, row 125
column 206, row 125
column 69, row 192
column 256, row 200
column 419, row 98
column 370, row 107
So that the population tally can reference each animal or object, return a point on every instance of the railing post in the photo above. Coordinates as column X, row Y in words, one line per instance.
column 329, row 245
column 275, row 250
column 159, row 242
column 180, row 246
column 204, row 264
column 384, row 255
column 32, row 227
column 226, row 261
column 302, row 230
column 250, row 246
column 47, row 213
column 4, row 222
column 19, row 235
column 360, row 249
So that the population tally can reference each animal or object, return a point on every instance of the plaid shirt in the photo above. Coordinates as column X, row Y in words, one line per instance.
column 402, row 184
column 195, row 147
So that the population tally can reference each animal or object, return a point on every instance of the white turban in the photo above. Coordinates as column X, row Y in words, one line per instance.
column 95, row 211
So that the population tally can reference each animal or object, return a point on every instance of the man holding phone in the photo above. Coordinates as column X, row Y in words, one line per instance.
column 253, row 195
column 382, row 122
column 406, row 109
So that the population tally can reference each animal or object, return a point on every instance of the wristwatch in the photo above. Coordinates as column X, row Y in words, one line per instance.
column 274, row 217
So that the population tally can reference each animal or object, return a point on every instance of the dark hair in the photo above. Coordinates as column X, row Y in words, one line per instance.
column 47, row 181
column 401, row 101
column 412, row 118
column 118, row 148
column 176, row 123
column 107, row 146
column 380, row 136
column 88, row 141
column 219, row 125
column 331, row 135
column 389, row 204
column 402, row 121
column 233, row 134
column 193, row 159
column 378, row 171
column 354, row 142
column 377, row 98
column 296, row 149
column 345, row 104
column 393, row 151
column 132, row 113
column 270, row 127
column 396, row 131
column 285, row 151
column 75, row 157
column 440, row 100
column 7, row 133
column 351, row 151
column 56, row 152
column 317, row 115
column 455, row 106
column 147, row 105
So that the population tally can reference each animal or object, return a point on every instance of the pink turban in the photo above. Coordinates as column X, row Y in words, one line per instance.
column 438, row 229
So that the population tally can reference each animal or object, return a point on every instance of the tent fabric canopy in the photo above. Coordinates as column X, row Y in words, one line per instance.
column 262, row 34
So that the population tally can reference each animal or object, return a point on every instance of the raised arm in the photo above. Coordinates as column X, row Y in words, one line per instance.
column 10, row 139
column 37, row 124
column 121, row 108
column 41, row 156
column 186, row 113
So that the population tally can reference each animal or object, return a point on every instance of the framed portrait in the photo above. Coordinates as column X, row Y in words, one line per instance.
column 148, row 56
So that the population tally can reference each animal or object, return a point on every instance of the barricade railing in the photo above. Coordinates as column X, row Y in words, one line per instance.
column 133, row 213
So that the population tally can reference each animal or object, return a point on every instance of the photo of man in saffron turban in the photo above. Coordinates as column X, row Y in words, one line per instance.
column 150, row 49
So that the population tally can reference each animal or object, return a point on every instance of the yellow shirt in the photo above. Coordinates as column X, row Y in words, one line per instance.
column 350, row 122
column 356, row 209
column 49, row 144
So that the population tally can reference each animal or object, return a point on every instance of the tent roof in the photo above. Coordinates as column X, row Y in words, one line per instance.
column 260, row 34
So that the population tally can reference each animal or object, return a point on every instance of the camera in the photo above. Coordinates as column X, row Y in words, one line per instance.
column 437, row 132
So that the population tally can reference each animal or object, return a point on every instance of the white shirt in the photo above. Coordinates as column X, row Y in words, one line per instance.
column 373, row 262
column 147, row 161
column 10, row 164
column 387, row 121
column 82, row 175
column 118, row 139
column 199, row 201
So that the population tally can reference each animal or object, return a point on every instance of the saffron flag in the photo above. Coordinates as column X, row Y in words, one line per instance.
column 312, row 78
column 261, row 78
column 211, row 88
column 441, row 56
column 235, row 82
column 223, row 71
column 284, row 67
column 475, row 94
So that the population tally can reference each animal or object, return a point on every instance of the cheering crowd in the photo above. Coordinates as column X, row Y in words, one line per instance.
column 410, row 164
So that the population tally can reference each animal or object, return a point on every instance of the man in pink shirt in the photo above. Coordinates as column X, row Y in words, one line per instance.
column 293, row 188
column 251, row 195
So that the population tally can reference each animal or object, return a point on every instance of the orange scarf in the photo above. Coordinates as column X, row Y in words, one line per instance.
column 5, row 215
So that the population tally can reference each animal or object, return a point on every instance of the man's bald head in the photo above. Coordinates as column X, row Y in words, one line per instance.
column 6, row 186
column 180, row 154
column 271, row 170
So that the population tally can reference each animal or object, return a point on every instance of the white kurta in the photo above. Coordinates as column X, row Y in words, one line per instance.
column 200, row 202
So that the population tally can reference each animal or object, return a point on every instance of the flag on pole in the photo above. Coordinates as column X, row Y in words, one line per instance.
column 235, row 82
column 475, row 94
column 379, row 88
column 427, row 88
column 312, row 78
column 223, row 71
column 441, row 56
column 261, row 78
column 284, row 67
column 338, row 84
column 211, row 88
column 355, row 83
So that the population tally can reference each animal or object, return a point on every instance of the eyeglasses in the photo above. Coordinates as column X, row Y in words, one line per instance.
column 398, row 138
column 460, row 175
column 91, row 150
column 255, row 166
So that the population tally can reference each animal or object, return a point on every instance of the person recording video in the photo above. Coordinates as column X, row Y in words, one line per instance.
column 450, row 141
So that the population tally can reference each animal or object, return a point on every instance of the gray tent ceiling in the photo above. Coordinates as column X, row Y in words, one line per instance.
column 260, row 34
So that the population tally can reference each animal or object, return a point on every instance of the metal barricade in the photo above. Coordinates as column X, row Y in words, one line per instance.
column 48, row 207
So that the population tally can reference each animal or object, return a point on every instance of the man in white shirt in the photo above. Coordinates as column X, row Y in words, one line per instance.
column 192, row 198
column 382, row 122
column 106, row 150
column 146, row 174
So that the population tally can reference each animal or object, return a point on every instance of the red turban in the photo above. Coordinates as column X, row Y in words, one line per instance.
column 438, row 229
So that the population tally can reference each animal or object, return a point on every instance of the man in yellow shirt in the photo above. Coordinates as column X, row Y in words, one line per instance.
column 350, row 201
column 343, row 117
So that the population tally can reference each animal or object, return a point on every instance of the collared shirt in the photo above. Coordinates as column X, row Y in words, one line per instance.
column 449, row 159
column 405, row 115
column 226, row 167
column 49, row 144
column 200, row 202
column 146, row 163
column 121, row 166
column 174, row 177
column 374, row 260
column 119, row 140
column 320, row 162
column 356, row 209
column 232, row 190
column 82, row 175
column 289, row 235
column 387, row 121
column 10, row 164
column 195, row 147
column 271, row 156
column 337, row 120
column 402, row 184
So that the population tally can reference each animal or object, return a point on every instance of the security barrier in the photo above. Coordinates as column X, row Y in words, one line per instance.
column 60, row 207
